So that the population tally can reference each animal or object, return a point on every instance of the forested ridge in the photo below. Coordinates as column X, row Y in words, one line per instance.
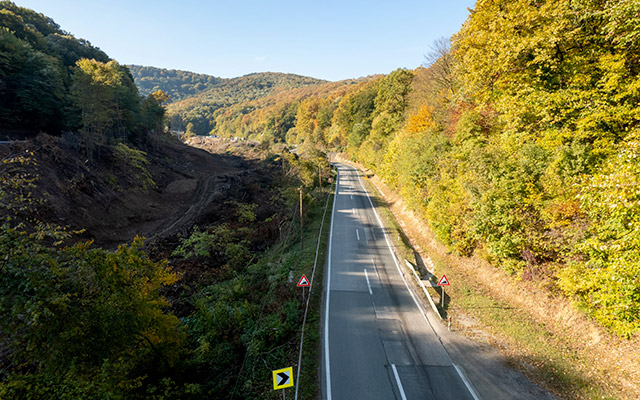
column 48, row 77
column 197, row 114
column 273, row 118
column 176, row 84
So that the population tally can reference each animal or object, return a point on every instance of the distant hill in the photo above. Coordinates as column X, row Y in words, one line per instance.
column 199, row 109
column 274, row 117
column 176, row 83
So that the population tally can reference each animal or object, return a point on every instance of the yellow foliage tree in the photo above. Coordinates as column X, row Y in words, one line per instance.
column 422, row 120
column 160, row 97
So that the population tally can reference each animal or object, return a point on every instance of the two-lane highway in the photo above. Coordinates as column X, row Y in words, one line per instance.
column 377, row 341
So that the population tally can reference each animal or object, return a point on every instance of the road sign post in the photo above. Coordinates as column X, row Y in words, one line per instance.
column 442, row 283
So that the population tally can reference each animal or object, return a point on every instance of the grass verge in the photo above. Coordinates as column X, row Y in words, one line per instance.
column 309, row 383
column 300, row 261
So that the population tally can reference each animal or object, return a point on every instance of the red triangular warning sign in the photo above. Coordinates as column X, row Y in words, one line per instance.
column 443, row 281
column 303, row 282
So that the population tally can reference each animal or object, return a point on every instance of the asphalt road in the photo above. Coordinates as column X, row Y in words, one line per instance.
column 377, row 341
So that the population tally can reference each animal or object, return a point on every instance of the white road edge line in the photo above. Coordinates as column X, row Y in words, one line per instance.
column 466, row 382
column 366, row 276
column 357, row 234
column 326, row 304
column 395, row 261
column 395, row 373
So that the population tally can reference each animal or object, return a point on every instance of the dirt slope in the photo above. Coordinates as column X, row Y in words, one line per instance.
column 106, row 197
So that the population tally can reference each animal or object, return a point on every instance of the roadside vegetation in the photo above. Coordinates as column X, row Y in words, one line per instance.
column 241, row 313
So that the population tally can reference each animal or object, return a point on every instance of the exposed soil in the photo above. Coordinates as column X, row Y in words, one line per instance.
column 108, row 200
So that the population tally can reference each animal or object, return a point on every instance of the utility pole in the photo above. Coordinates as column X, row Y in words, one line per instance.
column 301, row 223
column 319, row 176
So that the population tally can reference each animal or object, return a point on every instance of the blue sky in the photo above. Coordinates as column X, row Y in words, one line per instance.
column 324, row 39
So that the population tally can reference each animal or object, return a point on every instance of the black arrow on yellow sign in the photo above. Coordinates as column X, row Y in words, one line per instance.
column 284, row 378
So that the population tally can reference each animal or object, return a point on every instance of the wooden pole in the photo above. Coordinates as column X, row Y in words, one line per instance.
column 301, row 222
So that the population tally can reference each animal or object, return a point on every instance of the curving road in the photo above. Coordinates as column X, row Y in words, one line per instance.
column 378, row 343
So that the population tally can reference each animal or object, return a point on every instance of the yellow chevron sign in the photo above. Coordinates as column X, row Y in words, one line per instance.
column 282, row 378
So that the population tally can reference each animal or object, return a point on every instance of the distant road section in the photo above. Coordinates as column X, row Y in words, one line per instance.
column 377, row 341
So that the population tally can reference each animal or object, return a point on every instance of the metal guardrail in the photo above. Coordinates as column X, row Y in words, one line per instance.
column 424, row 288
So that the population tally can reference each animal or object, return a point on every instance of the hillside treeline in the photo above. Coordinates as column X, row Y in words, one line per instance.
column 274, row 118
column 176, row 84
column 53, row 82
column 198, row 114
column 519, row 143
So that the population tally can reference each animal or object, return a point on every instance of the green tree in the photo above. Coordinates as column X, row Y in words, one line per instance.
column 153, row 111
column 78, row 322
column 81, row 319
column 106, row 96
column 31, row 86
column 189, row 130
